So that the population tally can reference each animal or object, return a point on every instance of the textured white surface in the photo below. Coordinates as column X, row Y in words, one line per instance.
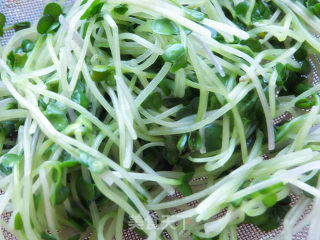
column 20, row 11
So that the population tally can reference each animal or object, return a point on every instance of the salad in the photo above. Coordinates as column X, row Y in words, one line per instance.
column 176, row 119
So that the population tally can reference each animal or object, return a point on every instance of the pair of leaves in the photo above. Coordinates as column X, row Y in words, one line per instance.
column 17, row 26
column 18, row 58
column 49, row 22
column 292, row 79
column 306, row 103
column 105, row 73
column 191, row 141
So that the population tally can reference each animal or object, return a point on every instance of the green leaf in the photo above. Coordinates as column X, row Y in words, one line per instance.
column 56, row 108
column 53, row 9
column 2, row 20
column 103, row 73
column 45, row 23
column 18, row 223
column 269, row 200
column 56, row 114
column 272, row 218
column 185, row 188
column 164, row 26
column 261, row 11
column 17, row 60
column 120, row 9
column 254, row 44
column 175, row 3
column 302, row 87
column 213, row 102
column 305, row 103
column 78, row 224
column 11, row 57
column 2, row 23
column 292, row 80
column 181, row 145
column 81, row 218
column 305, row 67
column 174, row 53
column 282, row 75
column 21, row 25
column 242, row 8
column 20, row 60
column 193, row 15
column 54, row 27
column 36, row 200
column 59, row 195
column 86, row 190
column 310, row 3
column 272, row 189
column 153, row 101
column 167, row 86
column 213, row 133
column 189, row 109
column 215, row 35
column 194, row 141
column 85, row 123
column 79, row 97
column 69, row 164
column 9, row 160
column 195, row 237
column 281, row 70
column 180, row 63
column 52, row 84
column 27, row 45
column 314, row 7
column 170, row 151
column 301, row 54
column 94, row 9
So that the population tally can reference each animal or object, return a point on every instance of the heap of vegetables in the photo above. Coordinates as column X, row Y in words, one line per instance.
column 108, row 107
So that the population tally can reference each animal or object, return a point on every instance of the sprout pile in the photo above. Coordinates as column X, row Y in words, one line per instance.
column 109, row 110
